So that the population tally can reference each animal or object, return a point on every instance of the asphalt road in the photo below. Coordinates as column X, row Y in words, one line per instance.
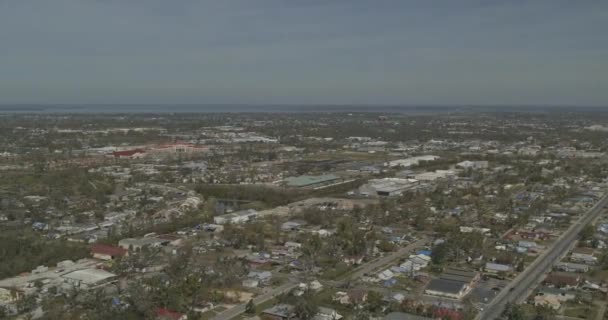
column 526, row 281
column 387, row 259
column 238, row 309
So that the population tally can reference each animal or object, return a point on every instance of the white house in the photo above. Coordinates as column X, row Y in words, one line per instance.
column 386, row 275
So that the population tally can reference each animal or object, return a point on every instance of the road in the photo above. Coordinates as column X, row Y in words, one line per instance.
column 51, row 274
column 521, row 286
column 384, row 261
column 238, row 309
column 363, row 269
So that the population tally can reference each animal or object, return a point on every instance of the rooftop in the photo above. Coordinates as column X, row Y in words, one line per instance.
column 89, row 276
column 447, row 286
column 303, row 181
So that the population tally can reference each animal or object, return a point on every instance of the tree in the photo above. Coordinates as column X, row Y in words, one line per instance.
column 305, row 309
column 469, row 311
column 440, row 253
column 374, row 301
column 26, row 304
column 587, row 233
column 250, row 307
column 514, row 312
column 544, row 313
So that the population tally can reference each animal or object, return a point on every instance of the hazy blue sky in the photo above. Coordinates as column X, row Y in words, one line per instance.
column 304, row 51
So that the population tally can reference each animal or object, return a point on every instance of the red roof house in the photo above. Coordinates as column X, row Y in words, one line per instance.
column 166, row 314
column 106, row 252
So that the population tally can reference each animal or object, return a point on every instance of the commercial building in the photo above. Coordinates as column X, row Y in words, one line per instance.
column 412, row 161
column 495, row 268
column 88, row 278
column 387, row 187
column 434, row 175
column 313, row 182
column 453, row 283
column 139, row 243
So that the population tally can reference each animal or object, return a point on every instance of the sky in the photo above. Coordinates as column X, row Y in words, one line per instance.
column 390, row 52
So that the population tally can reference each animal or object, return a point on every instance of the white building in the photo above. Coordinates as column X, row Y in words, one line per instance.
column 472, row 164
column 412, row 161
column 236, row 217
column 88, row 278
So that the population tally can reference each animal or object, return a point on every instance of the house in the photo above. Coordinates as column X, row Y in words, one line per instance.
column 315, row 285
column 399, row 297
column 263, row 277
column 166, row 314
column 572, row 267
column 279, row 312
column 250, row 283
column 415, row 263
column 386, row 275
column 327, row 314
column 528, row 244
column 293, row 245
column 354, row 297
column 353, row 260
column 107, row 252
column 585, row 255
column 404, row 316
column 560, row 294
column 563, row 279
column 291, row 226
column 547, row 301
column 495, row 268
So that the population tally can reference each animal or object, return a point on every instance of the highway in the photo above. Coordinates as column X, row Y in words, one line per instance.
column 526, row 281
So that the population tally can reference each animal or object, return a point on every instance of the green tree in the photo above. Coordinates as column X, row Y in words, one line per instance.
column 374, row 301
column 250, row 307
column 440, row 253
column 514, row 312
column 587, row 233
column 305, row 309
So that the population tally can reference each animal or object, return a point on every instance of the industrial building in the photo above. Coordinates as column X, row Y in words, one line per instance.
column 412, row 161
column 312, row 182
column 387, row 187
column 88, row 278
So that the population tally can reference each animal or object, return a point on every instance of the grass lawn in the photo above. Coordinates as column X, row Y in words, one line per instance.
column 580, row 311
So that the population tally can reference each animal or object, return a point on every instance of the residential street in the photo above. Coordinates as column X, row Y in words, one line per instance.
column 520, row 287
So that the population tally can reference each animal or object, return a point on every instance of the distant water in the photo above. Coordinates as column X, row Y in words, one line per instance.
column 130, row 108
